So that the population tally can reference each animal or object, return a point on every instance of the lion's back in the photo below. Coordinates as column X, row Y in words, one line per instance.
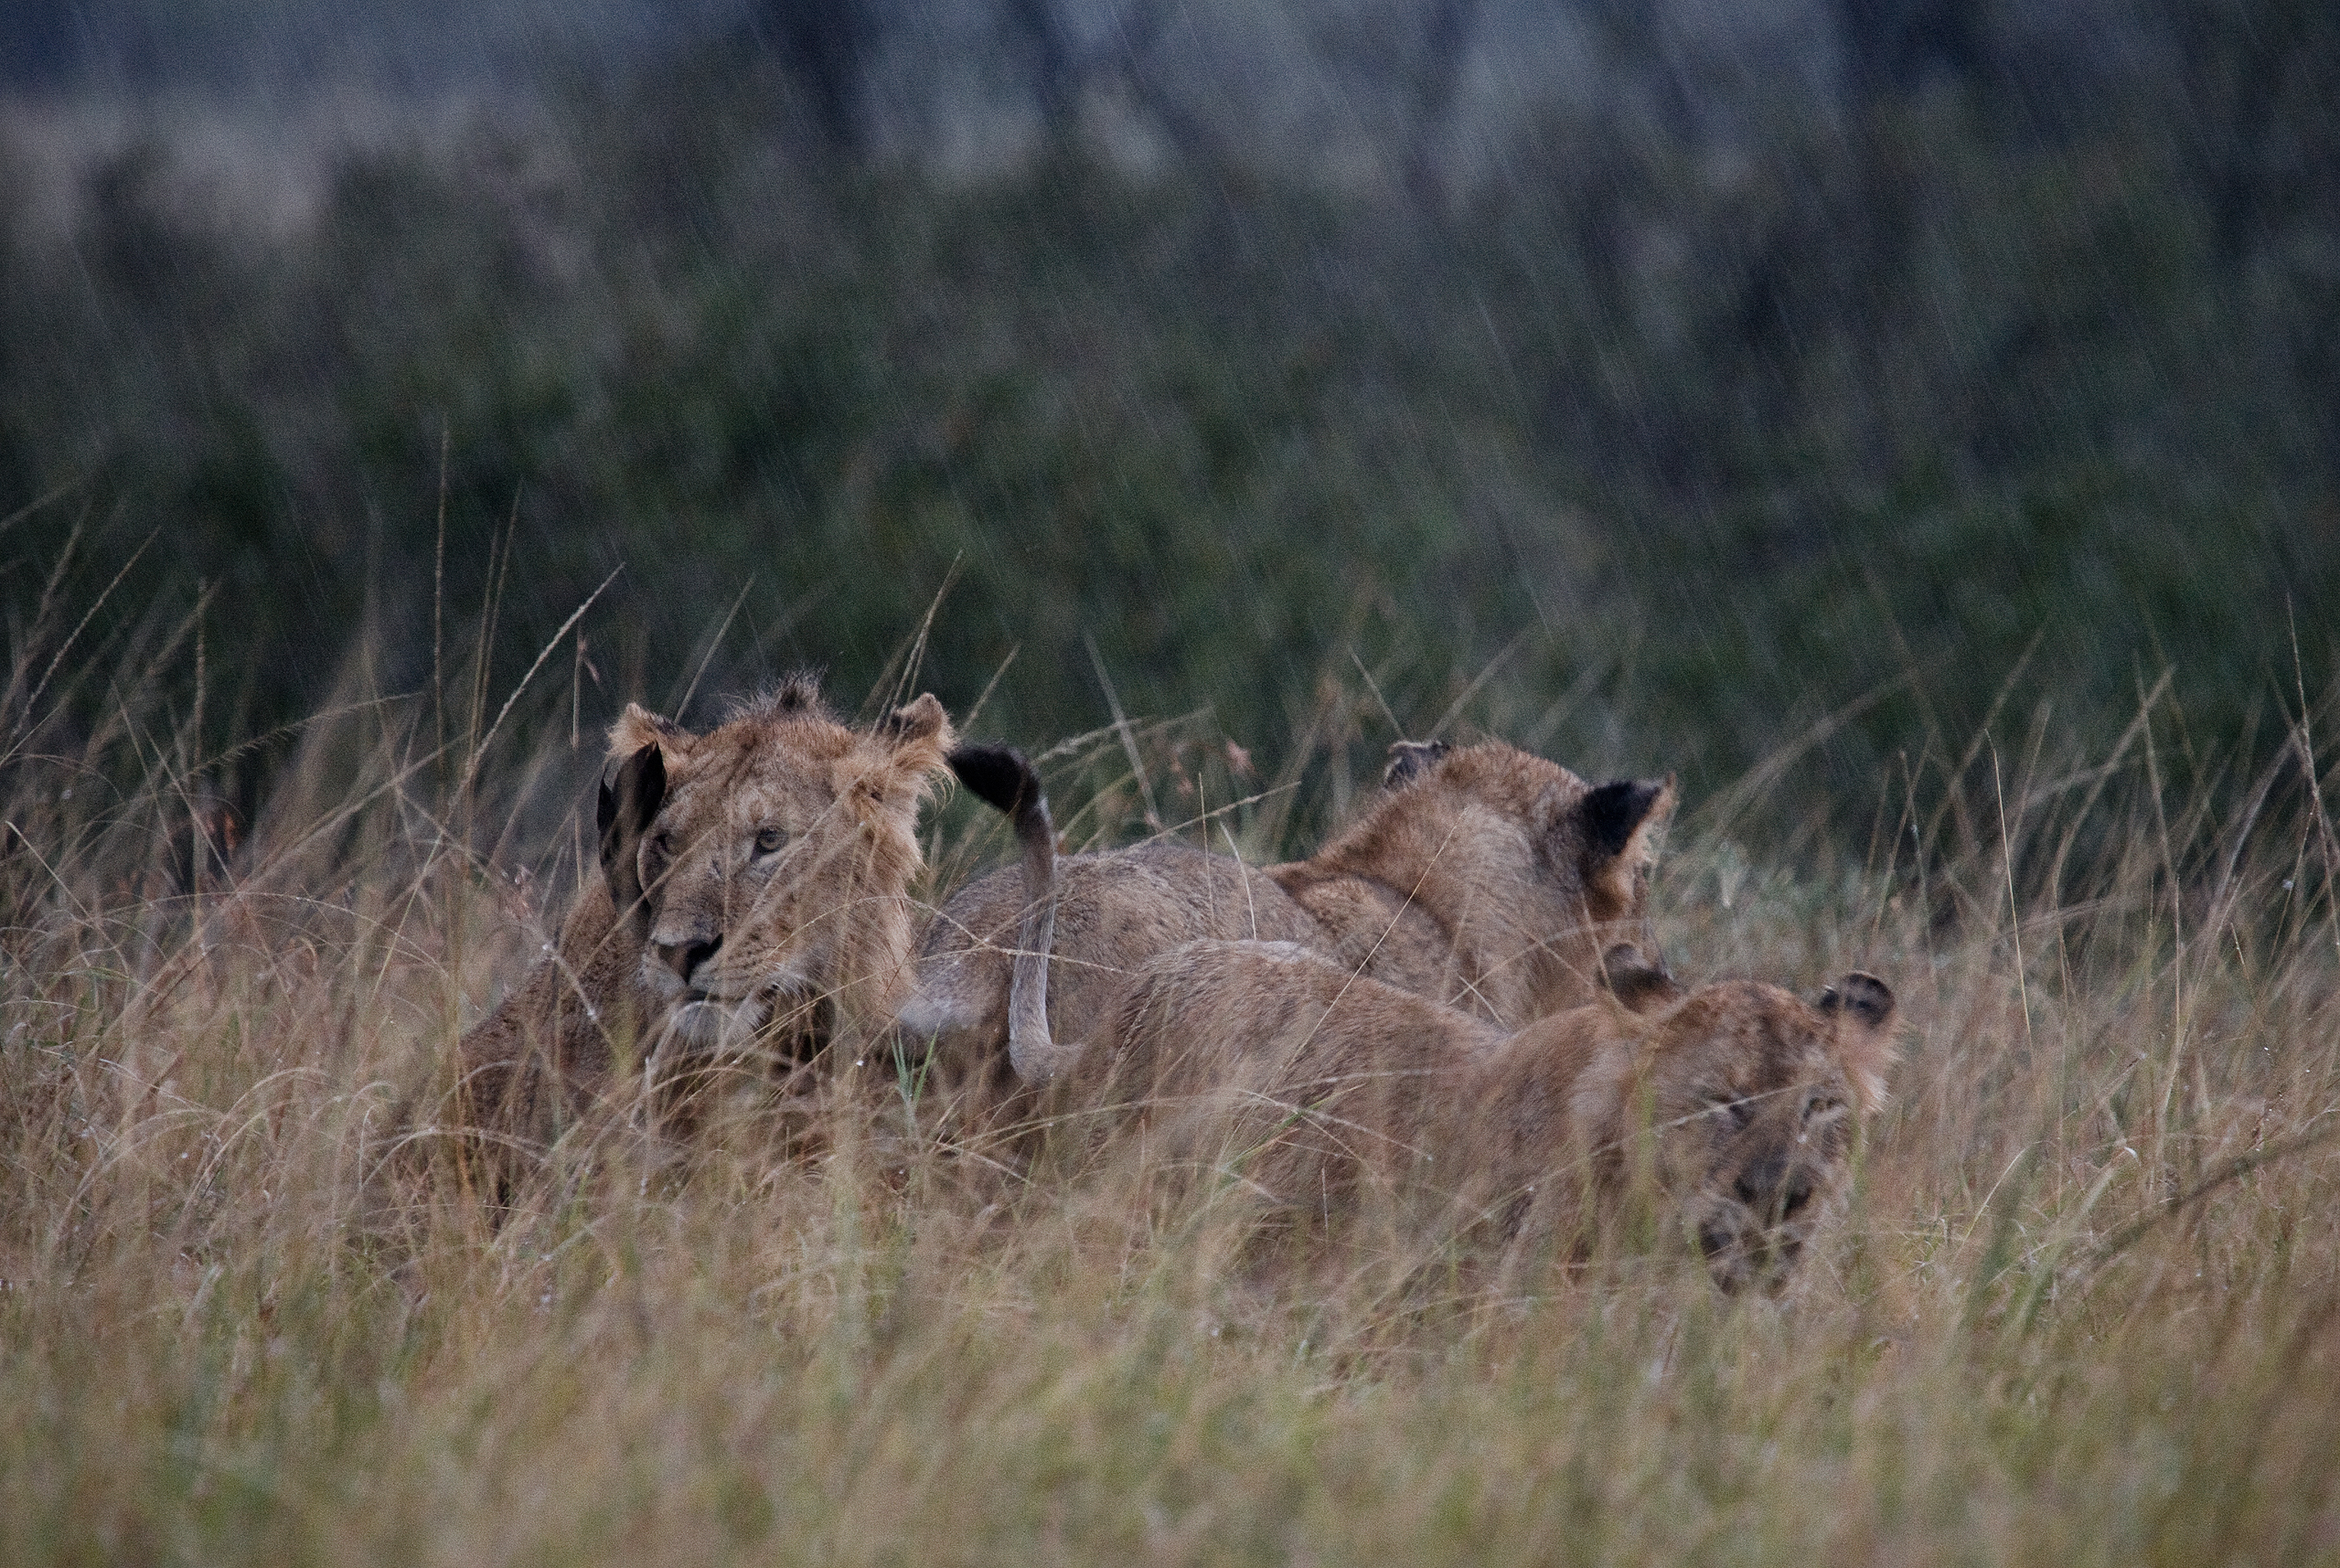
column 1116, row 911
column 1314, row 1073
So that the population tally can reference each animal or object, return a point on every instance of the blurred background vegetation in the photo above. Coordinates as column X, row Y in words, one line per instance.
column 1646, row 381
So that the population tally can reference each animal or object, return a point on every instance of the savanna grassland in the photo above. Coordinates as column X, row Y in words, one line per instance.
column 2084, row 1307
column 1939, row 475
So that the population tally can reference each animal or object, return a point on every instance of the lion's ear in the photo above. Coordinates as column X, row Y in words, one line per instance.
column 627, row 806
column 800, row 693
column 1624, row 828
column 920, row 734
column 1409, row 759
column 921, row 718
column 1863, row 1005
column 639, row 727
column 915, row 740
column 1636, row 979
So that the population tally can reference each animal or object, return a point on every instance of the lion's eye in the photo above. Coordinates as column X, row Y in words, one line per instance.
column 1822, row 1104
column 1730, row 1105
column 767, row 840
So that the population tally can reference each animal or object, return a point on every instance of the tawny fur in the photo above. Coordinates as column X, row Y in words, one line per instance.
column 1316, row 1089
column 1483, row 877
column 775, row 868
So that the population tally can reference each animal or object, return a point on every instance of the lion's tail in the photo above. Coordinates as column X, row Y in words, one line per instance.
column 1001, row 776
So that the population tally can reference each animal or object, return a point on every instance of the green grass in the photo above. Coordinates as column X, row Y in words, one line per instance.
column 2084, row 1308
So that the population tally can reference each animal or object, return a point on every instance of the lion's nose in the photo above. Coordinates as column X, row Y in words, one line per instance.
column 685, row 958
column 1798, row 1193
column 1758, row 1181
column 1774, row 1191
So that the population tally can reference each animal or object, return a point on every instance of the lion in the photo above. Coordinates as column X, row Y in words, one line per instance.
column 1483, row 877
column 755, row 900
column 1733, row 1105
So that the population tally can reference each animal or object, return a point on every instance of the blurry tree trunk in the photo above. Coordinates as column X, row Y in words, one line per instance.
column 1895, row 47
column 1893, row 52
column 1411, row 54
column 1447, row 38
column 1632, row 33
column 2256, row 75
column 1056, row 67
column 826, row 46
column 1129, row 52
column 1062, row 71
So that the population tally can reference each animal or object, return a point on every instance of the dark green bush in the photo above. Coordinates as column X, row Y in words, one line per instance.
column 1683, row 453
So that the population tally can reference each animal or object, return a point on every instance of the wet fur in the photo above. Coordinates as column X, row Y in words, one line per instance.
column 725, row 947
column 1483, row 877
column 1318, row 1090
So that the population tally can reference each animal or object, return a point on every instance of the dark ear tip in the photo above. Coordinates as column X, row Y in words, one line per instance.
column 1410, row 759
column 645, row 766
column 921, row 715
column 640, row 789
column 1613, row 810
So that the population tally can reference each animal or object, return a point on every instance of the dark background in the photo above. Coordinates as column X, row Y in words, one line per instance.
column 1643, row 380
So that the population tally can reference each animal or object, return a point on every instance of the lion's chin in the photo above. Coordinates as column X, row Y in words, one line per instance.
column 712, row 1027
column 1744, row 1256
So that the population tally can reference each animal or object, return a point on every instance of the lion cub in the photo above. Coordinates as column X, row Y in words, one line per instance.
column 1483, row 877
column 755, row 889
column 1737, row 1102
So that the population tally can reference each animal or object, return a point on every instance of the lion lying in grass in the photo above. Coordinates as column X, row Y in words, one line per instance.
column 754, row 898
column 1735, row 1105
column 1483, row 877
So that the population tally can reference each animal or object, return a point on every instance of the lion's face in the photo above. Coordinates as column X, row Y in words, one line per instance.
column 1754, row 1097
column 776, row 866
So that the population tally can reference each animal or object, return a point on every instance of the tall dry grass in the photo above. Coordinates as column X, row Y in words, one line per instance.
column 2082, row 1309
